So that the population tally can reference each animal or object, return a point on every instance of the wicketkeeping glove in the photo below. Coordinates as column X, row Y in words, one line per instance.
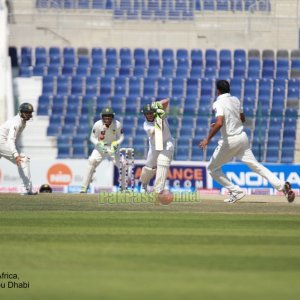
column 101, row 146
column 114, row 146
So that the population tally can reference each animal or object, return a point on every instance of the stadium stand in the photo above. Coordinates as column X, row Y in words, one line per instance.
column 67, row 97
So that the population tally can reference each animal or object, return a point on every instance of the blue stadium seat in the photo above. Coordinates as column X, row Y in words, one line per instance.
column 253, row 68
column 208, row 5
column 250, row 5
column 132, row 105
column 225, row 58
column 196, row 57
column 54, row 70
column 26, row 56
column 222, row 5
column 83, row 4
column 211, row 58
column 182, row 72
column 153, row 72
column 224, row 73
column 98, row 4
column 149, row 86
column 105, row 86
column 63, row 151
column 287, row 155
column 67, row 70
column 236, row 5
column 236, row 87
column 182, row 153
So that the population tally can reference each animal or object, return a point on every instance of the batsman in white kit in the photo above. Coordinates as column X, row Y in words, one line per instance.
column 161, row 146
column 10, row 132
column 107, row 135
column 234, row 143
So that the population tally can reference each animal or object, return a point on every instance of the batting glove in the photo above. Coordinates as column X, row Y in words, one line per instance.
column 160, row 113
column 156, row 105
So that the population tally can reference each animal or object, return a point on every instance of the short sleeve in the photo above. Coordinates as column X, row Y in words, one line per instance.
column 218, row 109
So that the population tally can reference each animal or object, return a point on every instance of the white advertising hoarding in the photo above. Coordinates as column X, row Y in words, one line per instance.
column 64, row 175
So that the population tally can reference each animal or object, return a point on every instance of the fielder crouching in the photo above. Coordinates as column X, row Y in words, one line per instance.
column 158, row 161
column 107, row 135
column 9, row 135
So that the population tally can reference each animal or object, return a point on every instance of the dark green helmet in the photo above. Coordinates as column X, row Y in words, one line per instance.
column 26, row 108
column 147, row 109
column 107, row 111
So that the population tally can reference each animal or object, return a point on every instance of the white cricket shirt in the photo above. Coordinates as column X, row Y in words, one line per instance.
column 111, row 134
column 229, row 107
column 10, row 132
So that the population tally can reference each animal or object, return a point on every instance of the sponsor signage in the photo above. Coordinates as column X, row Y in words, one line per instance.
column 243, row 176
column 181, row 178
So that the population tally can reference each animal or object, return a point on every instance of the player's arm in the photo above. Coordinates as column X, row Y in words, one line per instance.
column 121, row 137
column 149, row 129
column 214, row 129
column 242, row 117
column 94, row 135
column 164, row 103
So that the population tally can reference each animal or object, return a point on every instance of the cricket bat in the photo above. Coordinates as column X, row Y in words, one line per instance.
column 158, row 132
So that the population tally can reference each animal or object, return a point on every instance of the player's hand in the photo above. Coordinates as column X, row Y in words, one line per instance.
column 203, row 144
column 114, row 146
column 18, row 160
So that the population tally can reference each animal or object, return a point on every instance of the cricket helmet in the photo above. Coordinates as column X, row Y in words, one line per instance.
column 148, row 112
column 45, row 188
column 26, row 107
column 147, row 109
column 26, row 110
column 107, row 111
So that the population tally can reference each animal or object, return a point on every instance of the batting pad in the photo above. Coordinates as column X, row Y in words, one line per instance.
column 147, row 174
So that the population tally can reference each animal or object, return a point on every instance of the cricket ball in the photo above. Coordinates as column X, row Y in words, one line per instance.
column 165, row 197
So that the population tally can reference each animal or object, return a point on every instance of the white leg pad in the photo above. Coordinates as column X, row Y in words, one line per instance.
column 92, row 165
column 147, row 174
column 163, row 164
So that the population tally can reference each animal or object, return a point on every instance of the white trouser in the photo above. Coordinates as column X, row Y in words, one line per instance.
column 23, row 168
column 238, row 146
column 95, row 159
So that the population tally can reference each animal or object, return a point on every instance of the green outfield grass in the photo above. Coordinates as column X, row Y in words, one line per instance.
column 72, row 247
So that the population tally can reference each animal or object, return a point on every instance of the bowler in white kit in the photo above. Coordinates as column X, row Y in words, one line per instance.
column 234, row 143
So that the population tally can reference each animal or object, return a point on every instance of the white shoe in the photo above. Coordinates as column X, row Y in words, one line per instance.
column 234, row 197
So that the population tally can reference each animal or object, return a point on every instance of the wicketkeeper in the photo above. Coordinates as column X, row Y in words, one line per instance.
column 158, row 161
column 107, row 135
column 10, row 132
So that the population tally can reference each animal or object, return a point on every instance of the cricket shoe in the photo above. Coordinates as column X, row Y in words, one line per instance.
column 144, row 189
column 29, row 193
column 288, row 192
column 235, row 196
